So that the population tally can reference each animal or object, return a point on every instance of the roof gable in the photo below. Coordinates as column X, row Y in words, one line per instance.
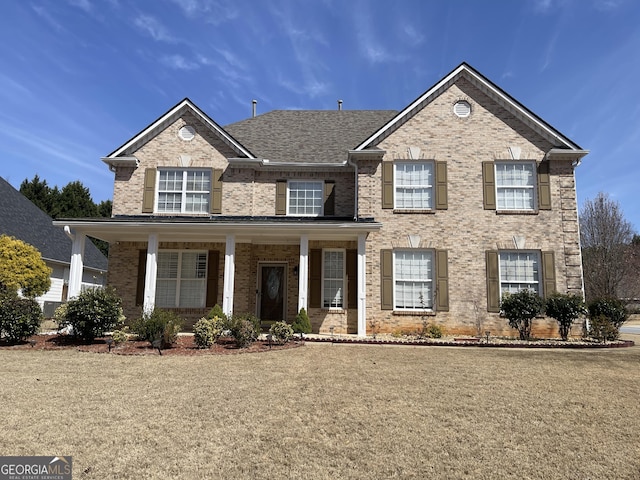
column 167, row 119
column 525, row 115
column 22, row 219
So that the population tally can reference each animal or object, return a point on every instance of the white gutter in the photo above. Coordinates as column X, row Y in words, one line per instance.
column 121, row 162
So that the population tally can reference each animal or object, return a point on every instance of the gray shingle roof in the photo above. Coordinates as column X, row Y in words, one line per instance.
column 21, row 219
column 310, row 136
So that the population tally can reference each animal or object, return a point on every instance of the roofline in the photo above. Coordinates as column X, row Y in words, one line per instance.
column 492, row 87
column 172, row 111
column 266, row 163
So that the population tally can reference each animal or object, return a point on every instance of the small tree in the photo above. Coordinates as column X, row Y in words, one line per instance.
column 19, row 317
column 520, row 309
column 22, row 268
column 302, row 324
column 606, row 316
column 94, row 312
column 565, row 309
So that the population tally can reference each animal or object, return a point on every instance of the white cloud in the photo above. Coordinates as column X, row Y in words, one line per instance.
column 152, row 27
column 211, row 11
column 414, row 37
column 178, row 62
column 47, row 17
column 81, row 4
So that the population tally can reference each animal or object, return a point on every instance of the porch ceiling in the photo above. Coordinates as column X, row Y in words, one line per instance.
column 247, row 231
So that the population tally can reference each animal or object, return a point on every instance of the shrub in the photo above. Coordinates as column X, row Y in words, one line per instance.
column 206, row 331
column 606, row 316
column 565, row 309
column 302, row 324
column 281, row 332
column 160, row 326
column 244, row 329
column 520, row 309
column 434, row 331
column 216, row 311
column 120, row 336
column 19, row 317
column 91, row 314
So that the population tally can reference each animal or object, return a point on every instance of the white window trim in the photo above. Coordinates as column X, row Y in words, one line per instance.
column 344, row 279
column 432, row 280
column 431, row 186
column 539, row 263
column 320, row 213
column 534, row 187
column 183, row 201
column 178, row 278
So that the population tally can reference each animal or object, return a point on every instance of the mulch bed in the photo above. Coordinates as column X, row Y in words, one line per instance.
column 185, row 346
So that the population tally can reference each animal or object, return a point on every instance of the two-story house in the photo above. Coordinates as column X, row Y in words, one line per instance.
column 367, row 219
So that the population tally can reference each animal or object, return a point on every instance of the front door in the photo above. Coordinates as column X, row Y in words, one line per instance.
column 272, row 292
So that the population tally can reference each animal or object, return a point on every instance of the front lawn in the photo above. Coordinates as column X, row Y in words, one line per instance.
column 329, row 412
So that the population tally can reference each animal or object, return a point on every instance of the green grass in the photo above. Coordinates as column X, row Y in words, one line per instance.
column 329, row 412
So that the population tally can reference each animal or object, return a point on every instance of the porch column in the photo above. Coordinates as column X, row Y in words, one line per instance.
column 303, row 272
column 229, row 274
column 77, row 262
column 362, row 285
column 151, row 274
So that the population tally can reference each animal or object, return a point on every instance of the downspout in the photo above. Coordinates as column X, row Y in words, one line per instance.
column 355, row 166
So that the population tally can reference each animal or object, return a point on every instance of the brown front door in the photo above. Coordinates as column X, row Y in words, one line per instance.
column 272, row 292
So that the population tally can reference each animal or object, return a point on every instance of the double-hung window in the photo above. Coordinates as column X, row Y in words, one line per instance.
column 184, row 191
column 182, row 279
column 305, row 198
column 333, row 273
column 519, row 271
column 515, row 185
column 413, row 185
column 413, row 280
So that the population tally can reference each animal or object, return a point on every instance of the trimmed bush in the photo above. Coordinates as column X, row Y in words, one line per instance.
column 19, row 317
column 281, row 332
column 606, row 316
column 302, row 324
column 206, row 331
column 160, row 326
column 520, row 309
column 120, row 336
column 565, row 309
column 244, row 329
column 94, row 312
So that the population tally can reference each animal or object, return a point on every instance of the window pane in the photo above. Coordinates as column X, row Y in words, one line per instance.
column 519, row 271
column 169, row 202
column 166, row 293
column 333, row 279
column 414, row 185
column 413, row 271
column 184, row 191
column 305, row 198
column 192, row 293
column 515, row 186
column 168, row 265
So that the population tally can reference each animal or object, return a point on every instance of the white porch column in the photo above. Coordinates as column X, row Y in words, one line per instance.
column 151, row 274
column 303, row 272
column 229, row 274
column 362, row 285
column 77, row 262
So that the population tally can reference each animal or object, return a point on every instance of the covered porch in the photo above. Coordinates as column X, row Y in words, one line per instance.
column 268, row 267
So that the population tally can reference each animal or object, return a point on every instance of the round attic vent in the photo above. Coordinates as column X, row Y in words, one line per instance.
column 187, row 133
column 462, row 108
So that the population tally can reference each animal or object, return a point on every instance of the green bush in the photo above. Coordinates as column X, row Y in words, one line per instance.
column 434, row 331
column 520, row 309
column 244, row 329
column 92, row 313
column 565, row 309
column 281, row 332
column 606, row 316
column 160, row 326
column 120, row 336
column 216, row 311
column 206, row 331
column 302, row 324
column 19, row 317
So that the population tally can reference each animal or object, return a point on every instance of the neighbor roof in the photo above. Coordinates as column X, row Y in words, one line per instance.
column 309, row 136
column 22, row 219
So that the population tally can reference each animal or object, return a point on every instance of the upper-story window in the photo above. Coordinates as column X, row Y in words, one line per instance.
column 515, row 185
column 305, row 198
column 184, row 191
column 413, row 185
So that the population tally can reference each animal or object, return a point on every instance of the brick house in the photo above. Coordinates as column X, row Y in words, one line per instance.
column 367, row 219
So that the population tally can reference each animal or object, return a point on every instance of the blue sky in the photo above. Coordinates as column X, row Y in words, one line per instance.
column 80, row 77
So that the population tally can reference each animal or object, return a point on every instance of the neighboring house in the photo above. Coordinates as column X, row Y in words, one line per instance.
column 370, row 220
column 21, row 219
